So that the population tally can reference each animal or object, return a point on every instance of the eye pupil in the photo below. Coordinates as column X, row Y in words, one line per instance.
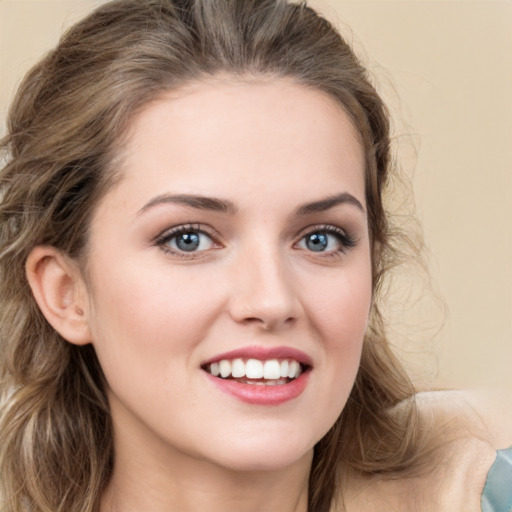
column 317, row 241
column 188, row 241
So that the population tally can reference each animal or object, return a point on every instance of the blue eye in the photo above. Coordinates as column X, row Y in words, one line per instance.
column 186, row 240
column 317, row 241
column 327, row 240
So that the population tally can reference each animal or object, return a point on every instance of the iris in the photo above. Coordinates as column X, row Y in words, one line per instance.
column 188, row 241
column 317, row 241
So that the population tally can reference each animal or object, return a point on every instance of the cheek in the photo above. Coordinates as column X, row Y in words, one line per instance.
column 165, row 298
column 339, row 313
column 150, row 315
column 147, row 325
column 340, row 307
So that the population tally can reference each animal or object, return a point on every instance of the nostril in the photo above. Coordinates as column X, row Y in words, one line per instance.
column 269, row 322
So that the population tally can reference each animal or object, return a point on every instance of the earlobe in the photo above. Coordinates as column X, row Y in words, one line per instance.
column 59, row 290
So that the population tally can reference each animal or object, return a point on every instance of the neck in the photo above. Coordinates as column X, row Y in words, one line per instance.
column 202, row 486
column 151, row 476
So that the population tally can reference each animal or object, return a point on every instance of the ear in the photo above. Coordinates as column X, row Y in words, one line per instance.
column 60, row 292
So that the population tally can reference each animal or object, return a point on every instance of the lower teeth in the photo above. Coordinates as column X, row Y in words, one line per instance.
column 277, row 382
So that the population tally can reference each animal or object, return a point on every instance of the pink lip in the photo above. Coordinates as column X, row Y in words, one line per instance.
column 262, row 395
column 263, row 354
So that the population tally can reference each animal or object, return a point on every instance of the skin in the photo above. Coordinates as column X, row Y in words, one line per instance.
column 463, row 449
column 154, row 313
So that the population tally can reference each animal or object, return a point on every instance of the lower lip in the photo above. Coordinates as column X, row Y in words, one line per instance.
column 262, row 395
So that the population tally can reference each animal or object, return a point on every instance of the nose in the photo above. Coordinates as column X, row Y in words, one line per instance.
column 264, row 291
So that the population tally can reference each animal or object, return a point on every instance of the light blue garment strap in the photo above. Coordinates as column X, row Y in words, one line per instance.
column 497, row 495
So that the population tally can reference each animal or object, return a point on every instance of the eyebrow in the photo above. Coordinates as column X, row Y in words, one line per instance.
column 200, row 202
column 329, row 202
column 225, row 206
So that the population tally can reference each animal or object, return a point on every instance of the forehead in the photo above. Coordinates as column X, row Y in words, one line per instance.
column 225, row 135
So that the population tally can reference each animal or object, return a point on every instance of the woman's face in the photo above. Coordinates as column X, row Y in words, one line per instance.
column 235, row 242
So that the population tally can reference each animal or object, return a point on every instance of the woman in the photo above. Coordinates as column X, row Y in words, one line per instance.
column 193, row 245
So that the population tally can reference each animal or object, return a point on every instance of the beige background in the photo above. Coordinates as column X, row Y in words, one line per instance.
column 445, row 69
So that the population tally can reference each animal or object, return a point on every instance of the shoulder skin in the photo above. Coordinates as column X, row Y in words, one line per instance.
column 464, row 438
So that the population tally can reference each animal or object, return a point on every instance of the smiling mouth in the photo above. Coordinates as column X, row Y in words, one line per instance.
column 270, row 372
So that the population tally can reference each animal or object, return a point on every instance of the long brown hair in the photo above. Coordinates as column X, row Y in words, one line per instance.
column 65, row 124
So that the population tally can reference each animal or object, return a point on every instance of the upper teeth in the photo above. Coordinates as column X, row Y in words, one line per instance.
column 256, row 369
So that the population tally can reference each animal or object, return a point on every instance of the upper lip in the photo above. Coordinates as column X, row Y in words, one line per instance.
column 263, row 354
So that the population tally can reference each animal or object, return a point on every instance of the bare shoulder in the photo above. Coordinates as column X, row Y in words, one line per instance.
column 469, row 414
column 463, row 439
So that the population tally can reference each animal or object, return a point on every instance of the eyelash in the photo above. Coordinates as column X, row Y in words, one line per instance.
column 163, row 239
column 345, row 240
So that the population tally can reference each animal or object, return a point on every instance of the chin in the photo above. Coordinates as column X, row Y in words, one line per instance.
column 269, row 462
column 268, row 444
column 264, row 453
